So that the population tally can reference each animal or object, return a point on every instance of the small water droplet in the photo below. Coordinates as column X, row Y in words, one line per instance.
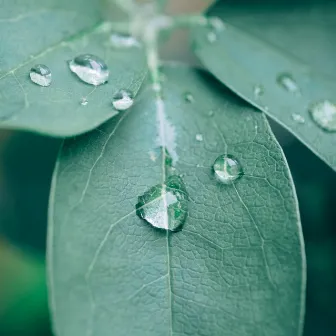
column 122, row 100
column 324, row 115
column 217, row 24
column 164, row 206
column 298, row 118
column 227, row 169
column 40, row 74
column 188, row 97
column 84, row 101
column 123, row 41
column 288, row 83
column 258, row 91
column 211, row 113
column 90, row 69
column 199, row 137
column 211, row 37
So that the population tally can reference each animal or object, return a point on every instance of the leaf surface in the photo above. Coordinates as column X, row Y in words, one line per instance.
column 237, row 266
column 264, row 41
column 52, row 33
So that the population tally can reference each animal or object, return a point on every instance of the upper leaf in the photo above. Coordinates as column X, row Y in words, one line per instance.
column 52, row 33
column 269, row 44
column 237, row 265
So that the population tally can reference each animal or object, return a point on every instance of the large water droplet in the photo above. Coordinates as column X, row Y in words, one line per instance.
column 298, row 118
column 165, row 206
column 227, row 169
column 40, row 74
column 122, row 100
column 324, row 115
column 123, row 41
column 90, row 69
column 288, row 83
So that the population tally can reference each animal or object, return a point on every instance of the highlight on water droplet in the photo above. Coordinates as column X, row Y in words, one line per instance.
column 199, row 137
column 40, row 74
column 227, row 169
column 298, row 118
column 286, row 81
column 188, row 97
column 324, row 115
column 122, row 100
column 164, row 206
column 124, row 41
column 90, row 69
column 258, row 91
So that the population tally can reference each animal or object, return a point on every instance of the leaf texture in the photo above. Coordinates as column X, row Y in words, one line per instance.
column 237, row 267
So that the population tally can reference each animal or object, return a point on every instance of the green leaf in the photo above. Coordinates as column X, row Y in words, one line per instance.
column 237, row 266
column 51, row 33
column 266, row 41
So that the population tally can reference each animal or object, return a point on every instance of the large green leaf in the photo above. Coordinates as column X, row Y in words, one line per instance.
column 53, row 32
column 270, row 39
column 237, row 266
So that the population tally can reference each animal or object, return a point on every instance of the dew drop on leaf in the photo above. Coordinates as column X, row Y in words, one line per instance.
column 122, row 100
column 216, row 23
column 211, row 37
column 124, row 41
column 258, row 91
column 188, row 97
column 298, row 118
column 199, row 137
column 165, row 206
column 90, row 69
column 286, row 81
column 84, row 101
column 227, row 169
column 40, row 74
column 324, row 115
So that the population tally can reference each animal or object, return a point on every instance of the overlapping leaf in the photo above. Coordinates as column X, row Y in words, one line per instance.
column 270, row 39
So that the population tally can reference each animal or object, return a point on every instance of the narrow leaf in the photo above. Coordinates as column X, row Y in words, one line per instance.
column 280, row 58
column 237, row 265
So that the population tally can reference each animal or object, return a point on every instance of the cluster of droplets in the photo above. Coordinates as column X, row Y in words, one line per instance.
column 90, row 69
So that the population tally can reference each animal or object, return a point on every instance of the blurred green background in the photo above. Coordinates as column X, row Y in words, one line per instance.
column 26, row 163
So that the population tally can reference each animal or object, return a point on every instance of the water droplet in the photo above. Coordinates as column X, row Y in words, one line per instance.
column 217, row 24
column 288, row 83
column 298, row 118
column 258, row 91
column 90, row 69
column 119, row 40
column 40, row 74
column 227, row 169
column 211, row 113
column 188, row 97
column 199, row 137
column 164, row 206
column 122, row 100
column 84, row 101
column 211, row 37
column 324, row 115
